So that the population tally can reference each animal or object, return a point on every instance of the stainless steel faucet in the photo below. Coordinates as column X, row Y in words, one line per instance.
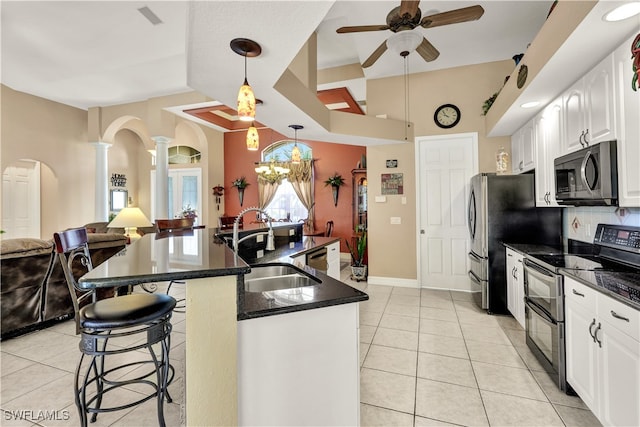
column 271, row 246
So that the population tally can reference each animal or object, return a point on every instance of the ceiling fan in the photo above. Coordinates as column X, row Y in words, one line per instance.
column 407, row 16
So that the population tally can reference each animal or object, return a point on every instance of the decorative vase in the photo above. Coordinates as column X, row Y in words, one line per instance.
column 241, row 195
column 334, row 190
column 358, row 273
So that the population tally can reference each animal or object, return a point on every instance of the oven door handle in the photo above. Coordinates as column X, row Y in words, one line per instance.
column 540, row 312
column 539, row 272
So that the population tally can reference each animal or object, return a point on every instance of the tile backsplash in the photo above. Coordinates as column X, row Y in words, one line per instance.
column 580, row 223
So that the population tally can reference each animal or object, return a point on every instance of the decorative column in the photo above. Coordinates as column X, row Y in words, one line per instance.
column 102, row 181
column 162, row 177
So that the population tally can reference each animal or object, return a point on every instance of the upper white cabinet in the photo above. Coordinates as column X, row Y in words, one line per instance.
column 589, row 108
column 628, row 128
column 548, row 134
column 523, row 149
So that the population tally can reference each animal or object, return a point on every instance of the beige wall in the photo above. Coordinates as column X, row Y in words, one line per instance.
column 467, row 87
column 57, row 136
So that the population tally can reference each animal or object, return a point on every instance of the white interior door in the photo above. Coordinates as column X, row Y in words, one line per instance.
column 445, row 165
column 21, row 200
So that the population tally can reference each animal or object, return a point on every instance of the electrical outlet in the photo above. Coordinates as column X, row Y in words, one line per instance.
column 395, row 220
column 292, row 232
column 292, row 245
column 260, row 238
column 259, row 253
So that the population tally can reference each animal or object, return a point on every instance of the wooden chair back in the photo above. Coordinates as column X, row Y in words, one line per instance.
column 329, row 230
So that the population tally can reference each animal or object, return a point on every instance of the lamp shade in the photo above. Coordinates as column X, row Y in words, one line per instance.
column 404, row 41
column 295, row 154
column 246, row 103
column 253, row 139
column 129, row 218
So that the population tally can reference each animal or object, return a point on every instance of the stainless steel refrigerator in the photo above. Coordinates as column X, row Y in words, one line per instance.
column 501, row 209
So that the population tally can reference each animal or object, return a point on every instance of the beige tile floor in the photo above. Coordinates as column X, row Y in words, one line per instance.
column 427, row 358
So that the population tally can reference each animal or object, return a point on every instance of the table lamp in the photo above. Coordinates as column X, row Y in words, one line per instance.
column 130, row 219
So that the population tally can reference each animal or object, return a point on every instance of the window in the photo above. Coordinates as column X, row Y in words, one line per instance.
column 286, row 204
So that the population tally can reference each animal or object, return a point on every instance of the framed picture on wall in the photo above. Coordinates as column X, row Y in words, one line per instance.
column 118, row 200
column 392, row 183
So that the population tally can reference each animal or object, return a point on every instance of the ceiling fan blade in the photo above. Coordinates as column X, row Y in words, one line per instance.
column 464, row 14
column 361, row 28
column 375, row 55
column 410, row 7
column 427, row 50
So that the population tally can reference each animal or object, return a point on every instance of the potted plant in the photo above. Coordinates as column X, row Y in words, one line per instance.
column 335, row 182
column 358, row 267
column 240, row 183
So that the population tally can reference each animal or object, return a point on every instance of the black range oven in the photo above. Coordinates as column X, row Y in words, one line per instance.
column 615, row 249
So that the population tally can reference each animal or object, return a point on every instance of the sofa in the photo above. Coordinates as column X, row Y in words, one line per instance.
column 33, row 290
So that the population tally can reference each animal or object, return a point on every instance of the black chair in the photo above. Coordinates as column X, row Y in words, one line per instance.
column 329, row 230
column 106, row 327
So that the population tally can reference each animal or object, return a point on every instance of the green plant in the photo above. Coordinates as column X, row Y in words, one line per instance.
column 335, row 180
column 488, row 103
column 357, row 250
column 240, row 182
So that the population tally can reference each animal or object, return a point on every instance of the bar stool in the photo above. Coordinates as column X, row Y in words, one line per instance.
column 106, row 326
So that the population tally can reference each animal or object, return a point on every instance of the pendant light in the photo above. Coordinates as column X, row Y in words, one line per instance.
column 295, row 152
column 246, row 98
column 253, row 139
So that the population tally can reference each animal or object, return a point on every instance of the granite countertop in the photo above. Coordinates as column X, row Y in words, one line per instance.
column 624, row 286
column 195, row 254
column 324, row 294
column 531, row 249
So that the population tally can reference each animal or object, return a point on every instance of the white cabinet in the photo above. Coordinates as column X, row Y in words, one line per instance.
column 603, row 353
column 589, row 108
column 628, row 129
column 333, row 260
column 300, row 368
column 515, row 286
column 523, row 149
column 548, row 134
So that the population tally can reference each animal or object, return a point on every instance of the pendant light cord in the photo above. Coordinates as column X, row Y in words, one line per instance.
column 406, row 98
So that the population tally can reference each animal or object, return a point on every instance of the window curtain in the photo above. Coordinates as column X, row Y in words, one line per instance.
column 267, row 187
column 301, row 179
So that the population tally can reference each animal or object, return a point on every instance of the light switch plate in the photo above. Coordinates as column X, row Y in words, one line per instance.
column 395, row 220
column 292, row 232
column 381, row 199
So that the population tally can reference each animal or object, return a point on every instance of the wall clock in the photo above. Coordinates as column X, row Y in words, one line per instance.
column 447, row 116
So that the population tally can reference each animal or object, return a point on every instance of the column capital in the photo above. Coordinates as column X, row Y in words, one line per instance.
column 100, row 144
column 161, row 139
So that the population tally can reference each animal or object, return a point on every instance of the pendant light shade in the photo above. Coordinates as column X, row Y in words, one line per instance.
column 246, row 99
column 253, row 139
column 295, row 152
column 246, row 102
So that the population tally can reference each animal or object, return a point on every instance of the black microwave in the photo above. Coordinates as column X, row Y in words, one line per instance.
column 588, row 177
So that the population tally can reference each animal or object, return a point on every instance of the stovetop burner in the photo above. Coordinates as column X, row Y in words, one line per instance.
column 580, row 262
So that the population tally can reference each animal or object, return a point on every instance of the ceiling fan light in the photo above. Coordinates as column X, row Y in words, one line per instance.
column 253, row 139
column 404, row 41
column 246, row 103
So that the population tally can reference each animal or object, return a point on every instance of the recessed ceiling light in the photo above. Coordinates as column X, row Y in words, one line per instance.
column 623, row 12
column 530, row 104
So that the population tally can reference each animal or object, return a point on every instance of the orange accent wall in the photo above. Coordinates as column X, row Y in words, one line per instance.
column 329, row 159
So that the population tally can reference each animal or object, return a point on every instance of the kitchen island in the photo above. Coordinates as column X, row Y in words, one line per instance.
column 219, row 351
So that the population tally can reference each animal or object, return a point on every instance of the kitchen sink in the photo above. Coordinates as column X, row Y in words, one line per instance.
column 272, row 277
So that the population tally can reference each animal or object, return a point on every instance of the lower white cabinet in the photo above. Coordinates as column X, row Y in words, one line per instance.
column 515, row 286
column 603, row 354
column 333, row 260
column 300, row 368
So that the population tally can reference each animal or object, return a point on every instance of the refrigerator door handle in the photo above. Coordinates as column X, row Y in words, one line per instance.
column 475, row 279
column 474, row 257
